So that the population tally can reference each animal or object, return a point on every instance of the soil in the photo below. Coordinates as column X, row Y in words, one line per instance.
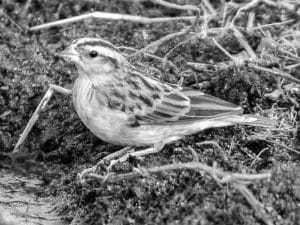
column 39, row 185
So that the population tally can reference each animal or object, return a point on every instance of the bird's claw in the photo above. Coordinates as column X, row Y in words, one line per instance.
column 81, row 177
column 93, row 171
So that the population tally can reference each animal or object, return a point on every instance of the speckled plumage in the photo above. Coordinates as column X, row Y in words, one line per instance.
column 120, row 105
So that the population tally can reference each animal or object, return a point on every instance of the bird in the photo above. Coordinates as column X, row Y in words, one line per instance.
column 124, row 106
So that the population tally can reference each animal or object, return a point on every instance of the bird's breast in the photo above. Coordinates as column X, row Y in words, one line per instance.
column 92, row 109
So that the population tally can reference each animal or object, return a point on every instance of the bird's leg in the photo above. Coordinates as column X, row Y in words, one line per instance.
column 109, row 158
column 156, row 148
column 43, row 103
column 118, row 157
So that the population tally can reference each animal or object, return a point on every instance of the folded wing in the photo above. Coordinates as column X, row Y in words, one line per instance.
column 148, row 101
column 184, row 106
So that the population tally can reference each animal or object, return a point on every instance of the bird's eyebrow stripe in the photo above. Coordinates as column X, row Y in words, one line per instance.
column 113, row 60
column 102, row 43
column 80, row 47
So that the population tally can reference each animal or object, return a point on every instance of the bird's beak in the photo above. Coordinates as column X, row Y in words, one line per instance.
column 69, row 54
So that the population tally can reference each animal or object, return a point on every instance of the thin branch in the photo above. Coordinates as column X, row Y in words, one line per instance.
column 255, row 3
column 198, row 144
column 154, row 45
column 292, row 45
column 166, row 57
column 276, row 72
column 194, row 154
column 10, row 19
column 111, row 16
column 240, row 37
column 225, row 176
column 170, row 64
column 257, row 156
column 209, row 6
column 168, row 37
column 259, row 136
column 251, row 64
column 181, row 7
column 224, row 14
column 255, row 204
column 206, row 19
column 26, row 8
column 293, row 66
column 272, row 25
column 223, row 50
column 251, row 20
column 293, row 56
column 175, row 6
column 283, row 146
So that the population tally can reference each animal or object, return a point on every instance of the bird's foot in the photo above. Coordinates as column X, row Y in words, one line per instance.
column 105, row 164
column 113, row 159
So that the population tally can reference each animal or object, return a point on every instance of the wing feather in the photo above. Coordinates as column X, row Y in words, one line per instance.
column 148, row 101
column 207, row 106
column 187, row 106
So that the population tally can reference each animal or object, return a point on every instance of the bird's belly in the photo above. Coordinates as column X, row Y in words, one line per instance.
column 113, row 126
column 104, row 123
column 150, row 135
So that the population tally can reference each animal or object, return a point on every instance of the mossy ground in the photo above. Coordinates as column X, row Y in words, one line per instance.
column 64, row 147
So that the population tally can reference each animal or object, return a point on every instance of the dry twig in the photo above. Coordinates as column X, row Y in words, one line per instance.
column 224, row 177
column 153, row 46
column 255, row 204
column 240, row 37
column 111, row 16
column 245, row 63
column 276, row 72
column 277, row 4
column 181, row 7
column 223, row 50
column 163, row 61
column 238, row 180
column 271, row 25
column 10, row 19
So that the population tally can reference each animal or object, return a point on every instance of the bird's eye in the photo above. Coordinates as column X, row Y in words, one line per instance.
column 93, row 54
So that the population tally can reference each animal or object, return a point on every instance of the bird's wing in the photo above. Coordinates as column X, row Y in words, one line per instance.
column 152, row 102
column 187, row 106
column 207, row 106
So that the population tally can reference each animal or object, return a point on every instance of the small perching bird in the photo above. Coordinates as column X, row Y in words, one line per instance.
column 125, row 107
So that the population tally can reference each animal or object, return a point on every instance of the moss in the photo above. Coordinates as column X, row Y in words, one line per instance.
column 29, row 65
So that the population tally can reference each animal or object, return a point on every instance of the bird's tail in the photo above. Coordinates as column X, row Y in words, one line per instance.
column 252, row 120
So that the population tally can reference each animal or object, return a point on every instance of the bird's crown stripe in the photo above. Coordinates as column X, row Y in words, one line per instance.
column 98, row 43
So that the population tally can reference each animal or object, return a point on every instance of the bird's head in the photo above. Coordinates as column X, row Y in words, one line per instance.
column 93, row 56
